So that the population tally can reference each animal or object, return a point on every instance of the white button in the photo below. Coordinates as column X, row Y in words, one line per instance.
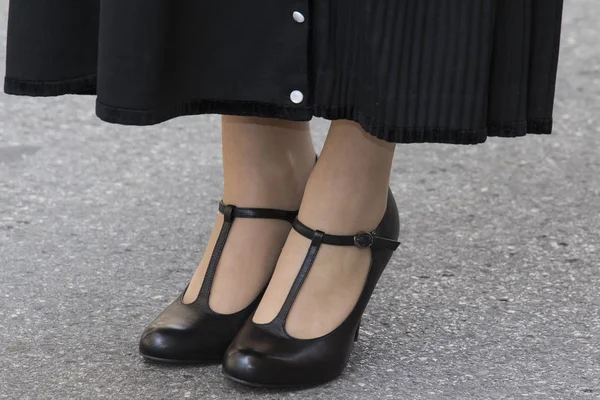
column 297, row 96
column 298, row 17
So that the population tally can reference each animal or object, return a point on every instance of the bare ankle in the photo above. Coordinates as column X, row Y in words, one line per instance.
column 279, row 184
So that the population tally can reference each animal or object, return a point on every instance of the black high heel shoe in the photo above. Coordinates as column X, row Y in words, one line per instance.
column 265, row 355
column 194, row 333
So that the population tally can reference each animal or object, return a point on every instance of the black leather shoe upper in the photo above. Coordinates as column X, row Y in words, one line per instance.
column 266, row 355
column 194, row 333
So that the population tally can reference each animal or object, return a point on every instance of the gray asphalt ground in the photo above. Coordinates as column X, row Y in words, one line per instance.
column 494, row 293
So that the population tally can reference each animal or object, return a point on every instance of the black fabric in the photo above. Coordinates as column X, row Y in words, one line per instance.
column 407, row 70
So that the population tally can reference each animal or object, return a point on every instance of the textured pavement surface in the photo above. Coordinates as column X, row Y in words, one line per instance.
column 494, row 293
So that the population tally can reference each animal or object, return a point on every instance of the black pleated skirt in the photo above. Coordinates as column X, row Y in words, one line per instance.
column 408, row 71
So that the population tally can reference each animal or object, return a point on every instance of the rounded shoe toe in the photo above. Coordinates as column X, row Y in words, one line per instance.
column 159, row 344
column 250, row 367
column 170, row 345
column 273, row 369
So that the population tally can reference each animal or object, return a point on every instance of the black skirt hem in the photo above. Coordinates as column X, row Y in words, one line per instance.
column 87, row 86
column 79, row 85
column 228, row 107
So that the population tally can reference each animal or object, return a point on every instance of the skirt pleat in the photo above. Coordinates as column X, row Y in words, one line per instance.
column 408, row 71
column 439, row 71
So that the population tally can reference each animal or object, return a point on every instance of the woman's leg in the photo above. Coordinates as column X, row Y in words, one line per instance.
column 266, row 164
column 346, row 193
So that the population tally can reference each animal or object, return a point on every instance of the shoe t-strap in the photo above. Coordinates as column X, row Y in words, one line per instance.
column 230, row 213
column 317, row 238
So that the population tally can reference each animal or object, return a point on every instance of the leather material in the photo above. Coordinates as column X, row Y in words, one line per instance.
column 264, row 213
column 350, row 240
column 266, row 355
column 191, row 333
column 194, row 333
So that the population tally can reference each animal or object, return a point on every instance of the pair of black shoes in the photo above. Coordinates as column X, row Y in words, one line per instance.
column 265, row 355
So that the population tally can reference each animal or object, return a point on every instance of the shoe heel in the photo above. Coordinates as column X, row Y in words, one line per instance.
column 356, row 333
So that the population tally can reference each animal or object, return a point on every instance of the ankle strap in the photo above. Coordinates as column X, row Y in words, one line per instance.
column 361, row 239
column 231, row 212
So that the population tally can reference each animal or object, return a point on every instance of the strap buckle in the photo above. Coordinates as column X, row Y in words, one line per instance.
column 364, row 240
